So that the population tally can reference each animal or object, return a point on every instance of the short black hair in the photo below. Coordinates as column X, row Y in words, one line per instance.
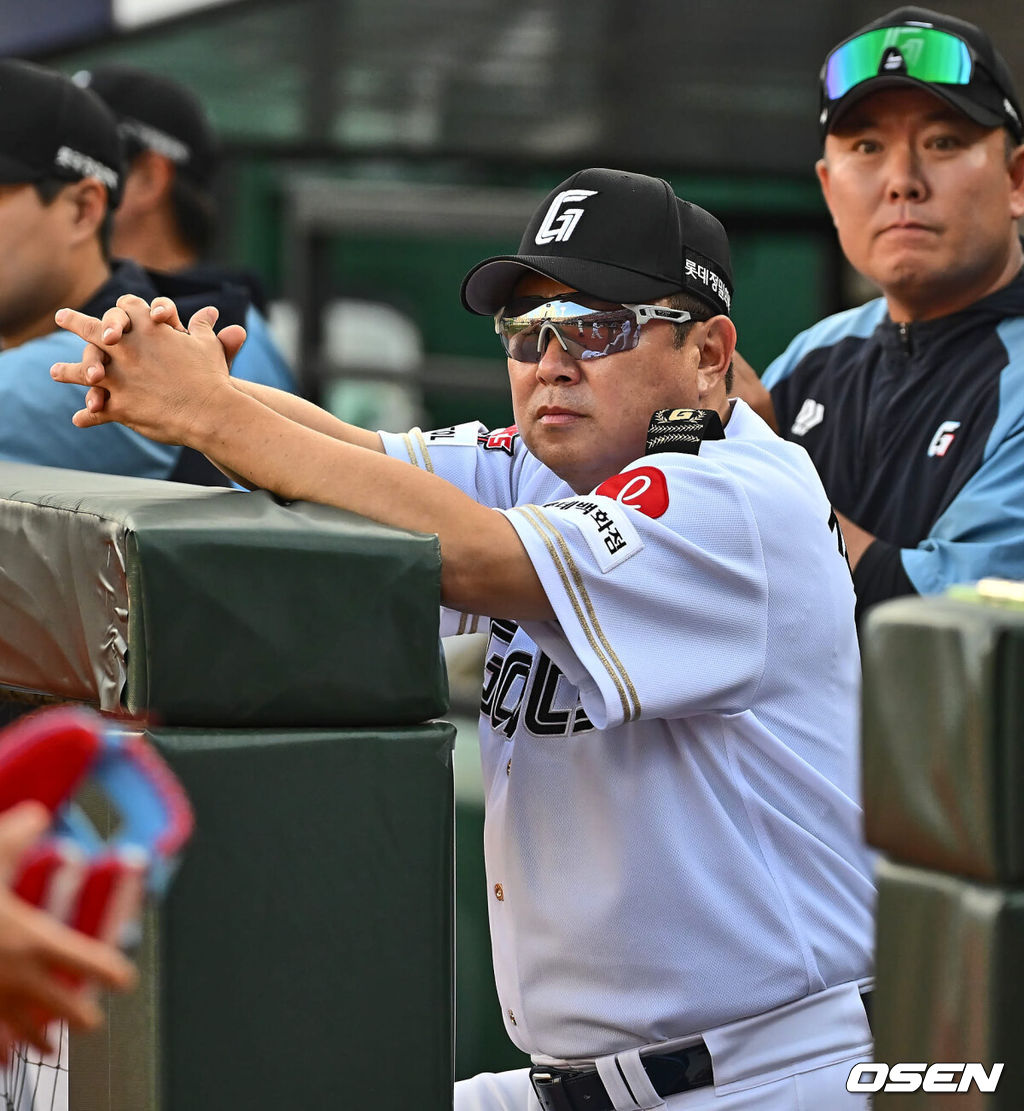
column 699, row 311
column 195, row 213
column 194, row 208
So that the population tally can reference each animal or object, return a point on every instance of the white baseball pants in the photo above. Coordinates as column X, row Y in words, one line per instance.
column 795, row 1058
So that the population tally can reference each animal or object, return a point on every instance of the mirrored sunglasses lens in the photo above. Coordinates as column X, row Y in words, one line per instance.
column 521, row 344
column 586, row 333
column 927, row 54
column 597, row 336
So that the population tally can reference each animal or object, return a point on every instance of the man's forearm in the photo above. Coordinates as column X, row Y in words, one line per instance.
column 172, row 385
column 485, row 568
column 857, row 540
column 306, row 413
column 878, row 572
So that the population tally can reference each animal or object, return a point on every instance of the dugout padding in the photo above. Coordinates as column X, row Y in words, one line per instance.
column 213, row 607
column 303, row 958
column 943, row 745
column 949, row 968
column 943, row 732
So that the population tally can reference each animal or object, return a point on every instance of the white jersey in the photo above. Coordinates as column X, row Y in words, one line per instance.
column 673, row 830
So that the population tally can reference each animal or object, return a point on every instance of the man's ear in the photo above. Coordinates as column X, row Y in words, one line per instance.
column 1015, row 167
column 88, row 199
column 716, row 351
column 821, row 169
column 150, row 178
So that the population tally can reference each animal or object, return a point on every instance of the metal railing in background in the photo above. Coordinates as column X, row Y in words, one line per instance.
column 318, row 214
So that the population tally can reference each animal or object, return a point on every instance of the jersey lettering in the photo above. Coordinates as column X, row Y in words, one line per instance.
column 834, row 527
column 503, row 710
column 541, row 719
column 492, row 672
column 504, row 439
column 504, row 698
column 455, row 435
column 504, row 631
column 609, row 533
column 581, row 723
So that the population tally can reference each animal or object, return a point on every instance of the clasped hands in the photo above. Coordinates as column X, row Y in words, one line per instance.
column 142, row 368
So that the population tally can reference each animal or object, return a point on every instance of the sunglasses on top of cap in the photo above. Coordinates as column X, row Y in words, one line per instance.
column 584, row 327
column 924, row 53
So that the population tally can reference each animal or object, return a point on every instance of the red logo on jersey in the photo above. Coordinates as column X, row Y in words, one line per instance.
column 502, row 440
column 643, row 488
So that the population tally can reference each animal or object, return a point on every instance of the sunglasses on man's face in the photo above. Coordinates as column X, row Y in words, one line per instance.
column 585, row 328
column 924, row 53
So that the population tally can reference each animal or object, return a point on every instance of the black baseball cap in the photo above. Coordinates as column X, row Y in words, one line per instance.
column 912, row 46
column 50, row 128
column 156, row 113
column 616, row 236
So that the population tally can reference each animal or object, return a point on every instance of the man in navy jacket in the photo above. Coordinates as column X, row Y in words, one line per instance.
column 912, row 406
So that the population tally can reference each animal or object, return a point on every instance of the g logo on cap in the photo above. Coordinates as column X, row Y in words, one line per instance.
column 557, row 227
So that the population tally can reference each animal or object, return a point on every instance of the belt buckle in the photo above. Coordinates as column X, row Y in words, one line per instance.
column 547, row 1086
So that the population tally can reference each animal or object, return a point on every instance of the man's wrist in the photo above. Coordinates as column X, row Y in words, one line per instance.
column 880, row 575
column 209, row 421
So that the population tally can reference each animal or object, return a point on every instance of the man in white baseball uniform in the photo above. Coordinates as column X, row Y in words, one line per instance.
column 680, row 899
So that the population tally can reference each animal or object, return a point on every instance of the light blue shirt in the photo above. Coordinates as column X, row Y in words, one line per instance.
column 36, row 412
column 259, row 359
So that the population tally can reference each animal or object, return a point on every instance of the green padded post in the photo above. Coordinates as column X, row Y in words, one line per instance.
column 949, row 968
column 303, row 958
column 211, row 607
column 943, row 728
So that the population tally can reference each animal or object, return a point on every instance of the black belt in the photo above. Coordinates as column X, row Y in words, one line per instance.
column 583, row 1090
column 560, row 1089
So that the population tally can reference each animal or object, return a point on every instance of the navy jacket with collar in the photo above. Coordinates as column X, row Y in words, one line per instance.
column 917, row 431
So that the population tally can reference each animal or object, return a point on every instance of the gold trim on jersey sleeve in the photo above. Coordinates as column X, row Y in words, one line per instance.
column 579, row 599
column 468, row 623
column 581, row 586
column 422, row 442
column 407, row 440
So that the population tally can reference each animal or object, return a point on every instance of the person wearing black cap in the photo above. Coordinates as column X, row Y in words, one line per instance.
column 680, row 898
column 167, row 217
column 912, row 406
column 60, row 178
